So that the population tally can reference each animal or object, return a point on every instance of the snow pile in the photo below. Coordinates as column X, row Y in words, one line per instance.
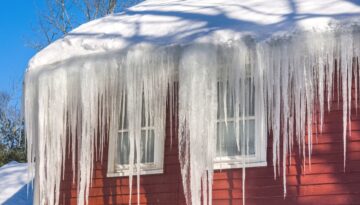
column 13, row 189
column 81, row 88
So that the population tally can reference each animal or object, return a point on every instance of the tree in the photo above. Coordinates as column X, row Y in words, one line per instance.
column 61, row 16
column 12, row 137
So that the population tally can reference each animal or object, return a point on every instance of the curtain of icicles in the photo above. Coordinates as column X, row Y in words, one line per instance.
column 78, row 104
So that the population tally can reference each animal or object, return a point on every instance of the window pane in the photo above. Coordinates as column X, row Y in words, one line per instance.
column 123, row 122
column 123, row 148
column 147, row 147
column 146, row 120
column 222, row 92
column 228, row 95
column 226, row 144
column 250, row 99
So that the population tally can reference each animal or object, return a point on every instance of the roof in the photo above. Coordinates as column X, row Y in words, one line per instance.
column 169, row 22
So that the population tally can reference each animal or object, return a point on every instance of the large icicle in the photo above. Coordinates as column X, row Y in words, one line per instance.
column 197, row 120
column 44, row 97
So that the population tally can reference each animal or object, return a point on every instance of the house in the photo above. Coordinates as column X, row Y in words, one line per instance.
column 199, row 102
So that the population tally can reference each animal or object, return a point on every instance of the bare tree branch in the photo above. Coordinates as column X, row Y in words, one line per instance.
column 61, row 16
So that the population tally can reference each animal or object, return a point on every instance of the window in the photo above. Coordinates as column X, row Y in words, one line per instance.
column 250, row 146
column 151, row 145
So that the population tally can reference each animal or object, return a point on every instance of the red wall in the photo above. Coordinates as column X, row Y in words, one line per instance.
column 325, row 183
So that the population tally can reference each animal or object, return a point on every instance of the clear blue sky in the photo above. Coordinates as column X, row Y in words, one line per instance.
column 17, row 18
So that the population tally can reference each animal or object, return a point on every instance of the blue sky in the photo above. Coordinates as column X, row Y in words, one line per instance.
column 17, row 18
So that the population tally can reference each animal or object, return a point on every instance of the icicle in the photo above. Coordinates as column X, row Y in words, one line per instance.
column 48, row 153
column 91, row 95
column 86, row 96
column 197, row 100
column 345, row 60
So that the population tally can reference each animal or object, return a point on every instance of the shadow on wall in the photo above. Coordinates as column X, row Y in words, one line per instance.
column 325, row 181
column 24, row 197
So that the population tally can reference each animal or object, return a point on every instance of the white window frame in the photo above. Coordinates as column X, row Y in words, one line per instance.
column 257, row 160
column 145, row 168
column 117, row 170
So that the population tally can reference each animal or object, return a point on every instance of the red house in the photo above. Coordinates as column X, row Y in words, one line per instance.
column 200, row 102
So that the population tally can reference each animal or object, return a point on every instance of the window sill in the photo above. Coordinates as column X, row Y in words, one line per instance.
column 142, row 172
column 238, row 164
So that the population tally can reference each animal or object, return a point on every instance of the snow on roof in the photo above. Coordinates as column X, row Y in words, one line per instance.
column 168, row 22
column 13, row 181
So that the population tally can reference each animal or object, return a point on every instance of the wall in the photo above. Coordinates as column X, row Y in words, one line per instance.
column 324, row 183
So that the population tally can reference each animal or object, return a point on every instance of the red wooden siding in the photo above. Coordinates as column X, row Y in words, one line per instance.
column 325, row 183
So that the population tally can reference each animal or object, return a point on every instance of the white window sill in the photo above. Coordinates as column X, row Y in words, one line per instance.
column 238, row 164
column 126, row 172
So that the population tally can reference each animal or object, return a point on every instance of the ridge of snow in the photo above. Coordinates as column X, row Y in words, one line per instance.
column 159, row 23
